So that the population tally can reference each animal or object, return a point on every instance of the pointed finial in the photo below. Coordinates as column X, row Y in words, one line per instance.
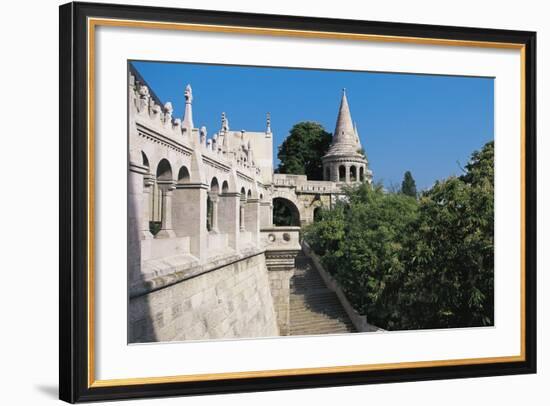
column 188, row 94
column 268, row 124
column 187, row 123
column 225, row 122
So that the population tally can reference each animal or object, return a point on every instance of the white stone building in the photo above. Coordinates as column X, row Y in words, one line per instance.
column 205, row 260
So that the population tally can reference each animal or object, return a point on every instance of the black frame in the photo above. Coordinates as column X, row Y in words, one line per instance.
column 73, row 330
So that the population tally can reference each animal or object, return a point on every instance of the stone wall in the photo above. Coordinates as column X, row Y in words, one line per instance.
column 279, row 281
column 231, row 301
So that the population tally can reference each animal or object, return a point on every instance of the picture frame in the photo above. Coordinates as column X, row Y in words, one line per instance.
column 79, row 162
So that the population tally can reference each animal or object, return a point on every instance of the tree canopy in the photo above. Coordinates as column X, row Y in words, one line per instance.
column 302, row 150
column 408, row 186
column 412, row 264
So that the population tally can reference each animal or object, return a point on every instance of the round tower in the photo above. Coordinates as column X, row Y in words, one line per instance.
column 345, row 160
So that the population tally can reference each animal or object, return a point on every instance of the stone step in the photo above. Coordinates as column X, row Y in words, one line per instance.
column 314, row 309
column 318, row 326
column 310, row 331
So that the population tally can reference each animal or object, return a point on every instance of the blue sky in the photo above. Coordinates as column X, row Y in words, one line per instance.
column 427, row 124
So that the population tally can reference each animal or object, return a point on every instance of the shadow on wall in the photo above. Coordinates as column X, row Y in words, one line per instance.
column 140, row 321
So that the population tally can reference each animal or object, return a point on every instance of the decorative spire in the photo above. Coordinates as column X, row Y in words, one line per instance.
column 358, row 140
column 188, row 115
column 344, row 130
column 345, row 140
column 268, row 124
column 225, row 123
column 203, row 135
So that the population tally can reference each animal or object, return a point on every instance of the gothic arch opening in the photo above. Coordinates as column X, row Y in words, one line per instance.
column 157, row 206
column 225, row 187
column 183, row 175
column 353, row 173
column 164, row 170
column 214, row 185
column 342, row 173
column 285, row 212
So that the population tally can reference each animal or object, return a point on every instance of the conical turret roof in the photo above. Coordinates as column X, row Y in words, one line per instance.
column 345, row 140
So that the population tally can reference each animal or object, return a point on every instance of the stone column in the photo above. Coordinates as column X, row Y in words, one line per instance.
column 252, row 219
column 166, row 230
column 189, row 216
column 148, row 182
column 266, row 214
column 136, row 214
column 334, row 173
column 347, row 174
column 214, row 199
column 229, row 210
column 241, row 215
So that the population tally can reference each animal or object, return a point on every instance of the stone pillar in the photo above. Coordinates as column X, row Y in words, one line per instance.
column 189, row 216
column 214, row 199
column 166, row 230
column 229, row 210
column 241, row 215
column 136, row 211
column 266, row 214
column 334, row 173
column 252, row 219
column 148, row 182
column 347, row 174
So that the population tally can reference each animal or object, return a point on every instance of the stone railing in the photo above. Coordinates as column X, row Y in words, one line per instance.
column 282, row 245
column 303, row 185
column 283, row 241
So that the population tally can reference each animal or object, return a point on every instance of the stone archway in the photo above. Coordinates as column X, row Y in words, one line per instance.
column 285, row 212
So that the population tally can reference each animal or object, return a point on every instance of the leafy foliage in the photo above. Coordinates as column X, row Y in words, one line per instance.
column 302, row 150
column 413, row 264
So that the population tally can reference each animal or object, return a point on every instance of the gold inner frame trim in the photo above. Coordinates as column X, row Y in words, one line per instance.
column 94, row 22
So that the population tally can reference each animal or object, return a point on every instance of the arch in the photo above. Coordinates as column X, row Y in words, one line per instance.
column 327, row 173
column 164, row 170
column 362, row 173
column 243, row 193
column 225, row 187
column 261, row 196
column 183, row 175
column 285, row 212
column 144, row 159
column 214, row 185
column 353, row 173
column 341, row 173
column 249, row 194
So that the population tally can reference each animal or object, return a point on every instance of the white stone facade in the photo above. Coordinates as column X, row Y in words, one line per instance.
column 200, row 209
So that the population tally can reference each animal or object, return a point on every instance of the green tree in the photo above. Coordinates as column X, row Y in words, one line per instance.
column 412, row 264
column 408, row 186
column 451, row 252
column 302, row 150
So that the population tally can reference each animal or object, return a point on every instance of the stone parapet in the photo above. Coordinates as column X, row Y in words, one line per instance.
column 282, row 245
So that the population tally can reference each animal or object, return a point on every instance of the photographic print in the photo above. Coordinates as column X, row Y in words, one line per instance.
column 267, row 202
column 262, row 202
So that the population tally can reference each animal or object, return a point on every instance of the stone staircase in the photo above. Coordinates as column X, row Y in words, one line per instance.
column 314, row 309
